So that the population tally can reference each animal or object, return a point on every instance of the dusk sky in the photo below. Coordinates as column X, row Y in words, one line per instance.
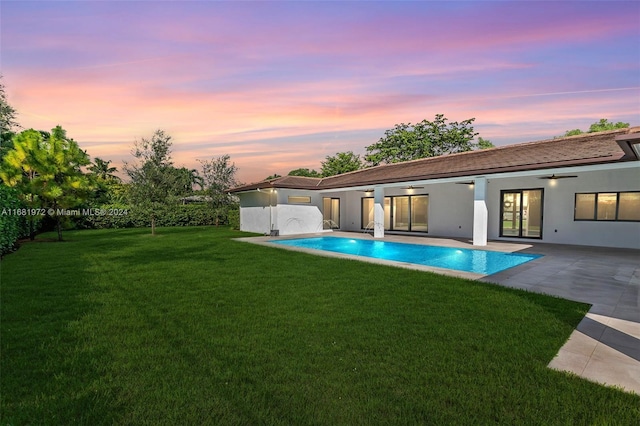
column 282, row 85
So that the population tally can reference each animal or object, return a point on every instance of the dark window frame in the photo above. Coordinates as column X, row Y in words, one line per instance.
column 292, row 202
column 521, row 191
column 595, row 207
column 339, row 223
column 391, row 200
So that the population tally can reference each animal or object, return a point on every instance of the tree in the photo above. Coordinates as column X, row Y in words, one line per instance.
column 342, row 162
column 65, row 184
column 605, row 124
column 599, row 126
column 219, row 176
column 304, row 172
column 573, row 132
column 152, row 178
column 425, row 139
column 47, row 171
column 104, row 178
column 485, row 143
column 21, row 168
column 8, row 123
column 103, row 171
column 184, row 181
column 273, row 176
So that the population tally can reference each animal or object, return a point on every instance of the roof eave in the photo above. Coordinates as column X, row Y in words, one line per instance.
column 630, row 144
column 477, row 172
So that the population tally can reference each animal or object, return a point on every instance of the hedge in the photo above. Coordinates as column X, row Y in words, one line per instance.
column 13, row 224
column 123, row 216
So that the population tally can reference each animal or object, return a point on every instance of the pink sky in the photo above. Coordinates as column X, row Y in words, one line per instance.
column 282, row 85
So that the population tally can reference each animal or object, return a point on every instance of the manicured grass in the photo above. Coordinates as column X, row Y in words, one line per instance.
column 191, row 327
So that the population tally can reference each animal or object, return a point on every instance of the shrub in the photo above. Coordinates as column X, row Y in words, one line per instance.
column 12, row 225
column 233, row 217
column 123, row 216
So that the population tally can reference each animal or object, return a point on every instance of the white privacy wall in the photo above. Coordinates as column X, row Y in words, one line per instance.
column 299, row 219
column 264, row 211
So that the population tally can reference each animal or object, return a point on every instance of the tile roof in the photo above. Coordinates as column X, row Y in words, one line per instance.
column 588, row 148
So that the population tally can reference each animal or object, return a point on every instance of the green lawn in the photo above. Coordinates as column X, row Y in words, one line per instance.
column 191, row 327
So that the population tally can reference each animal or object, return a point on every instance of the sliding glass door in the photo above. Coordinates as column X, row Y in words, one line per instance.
column 521, row 213
column 420, row 213
column 401, row 213
column 331, row 213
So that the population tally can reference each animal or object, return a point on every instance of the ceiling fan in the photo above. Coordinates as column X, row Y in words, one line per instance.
column 553, row 177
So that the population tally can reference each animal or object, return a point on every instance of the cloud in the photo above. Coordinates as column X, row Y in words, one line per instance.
column 282, row 85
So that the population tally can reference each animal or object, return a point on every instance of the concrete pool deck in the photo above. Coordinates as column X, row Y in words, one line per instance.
column 605, row 347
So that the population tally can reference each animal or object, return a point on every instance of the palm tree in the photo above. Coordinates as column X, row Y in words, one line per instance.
column 100, row 169
column 186, row 179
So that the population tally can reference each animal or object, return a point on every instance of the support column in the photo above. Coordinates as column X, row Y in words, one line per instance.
column 273, row 211
column 378, row 212
column 480, row 213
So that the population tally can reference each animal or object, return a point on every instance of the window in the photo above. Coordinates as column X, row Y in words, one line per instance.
column 521, row 213
column 331, row 213
column 401, row 213
column 629, row 205
column 299, row 199
column 420, row 213
column 608, row 206
column 367, row 213
column 585, row 207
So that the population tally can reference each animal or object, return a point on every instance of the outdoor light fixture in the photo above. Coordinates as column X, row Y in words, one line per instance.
column 413, row 187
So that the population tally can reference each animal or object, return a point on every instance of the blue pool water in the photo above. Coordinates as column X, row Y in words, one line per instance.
column 476, row 261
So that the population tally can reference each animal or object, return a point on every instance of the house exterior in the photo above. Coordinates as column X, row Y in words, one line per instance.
column 581, row 190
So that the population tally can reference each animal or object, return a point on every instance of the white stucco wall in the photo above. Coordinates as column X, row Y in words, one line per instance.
column 255, row 219
column 299, row 219
column 350, row 206
column 255, row 212
column 559, row 198
column 257, row 215
column 451, row 208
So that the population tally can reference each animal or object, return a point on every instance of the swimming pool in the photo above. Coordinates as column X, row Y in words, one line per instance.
column 467, row 260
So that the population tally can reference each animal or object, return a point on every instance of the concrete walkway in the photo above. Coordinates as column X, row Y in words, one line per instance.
column 605, row 347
